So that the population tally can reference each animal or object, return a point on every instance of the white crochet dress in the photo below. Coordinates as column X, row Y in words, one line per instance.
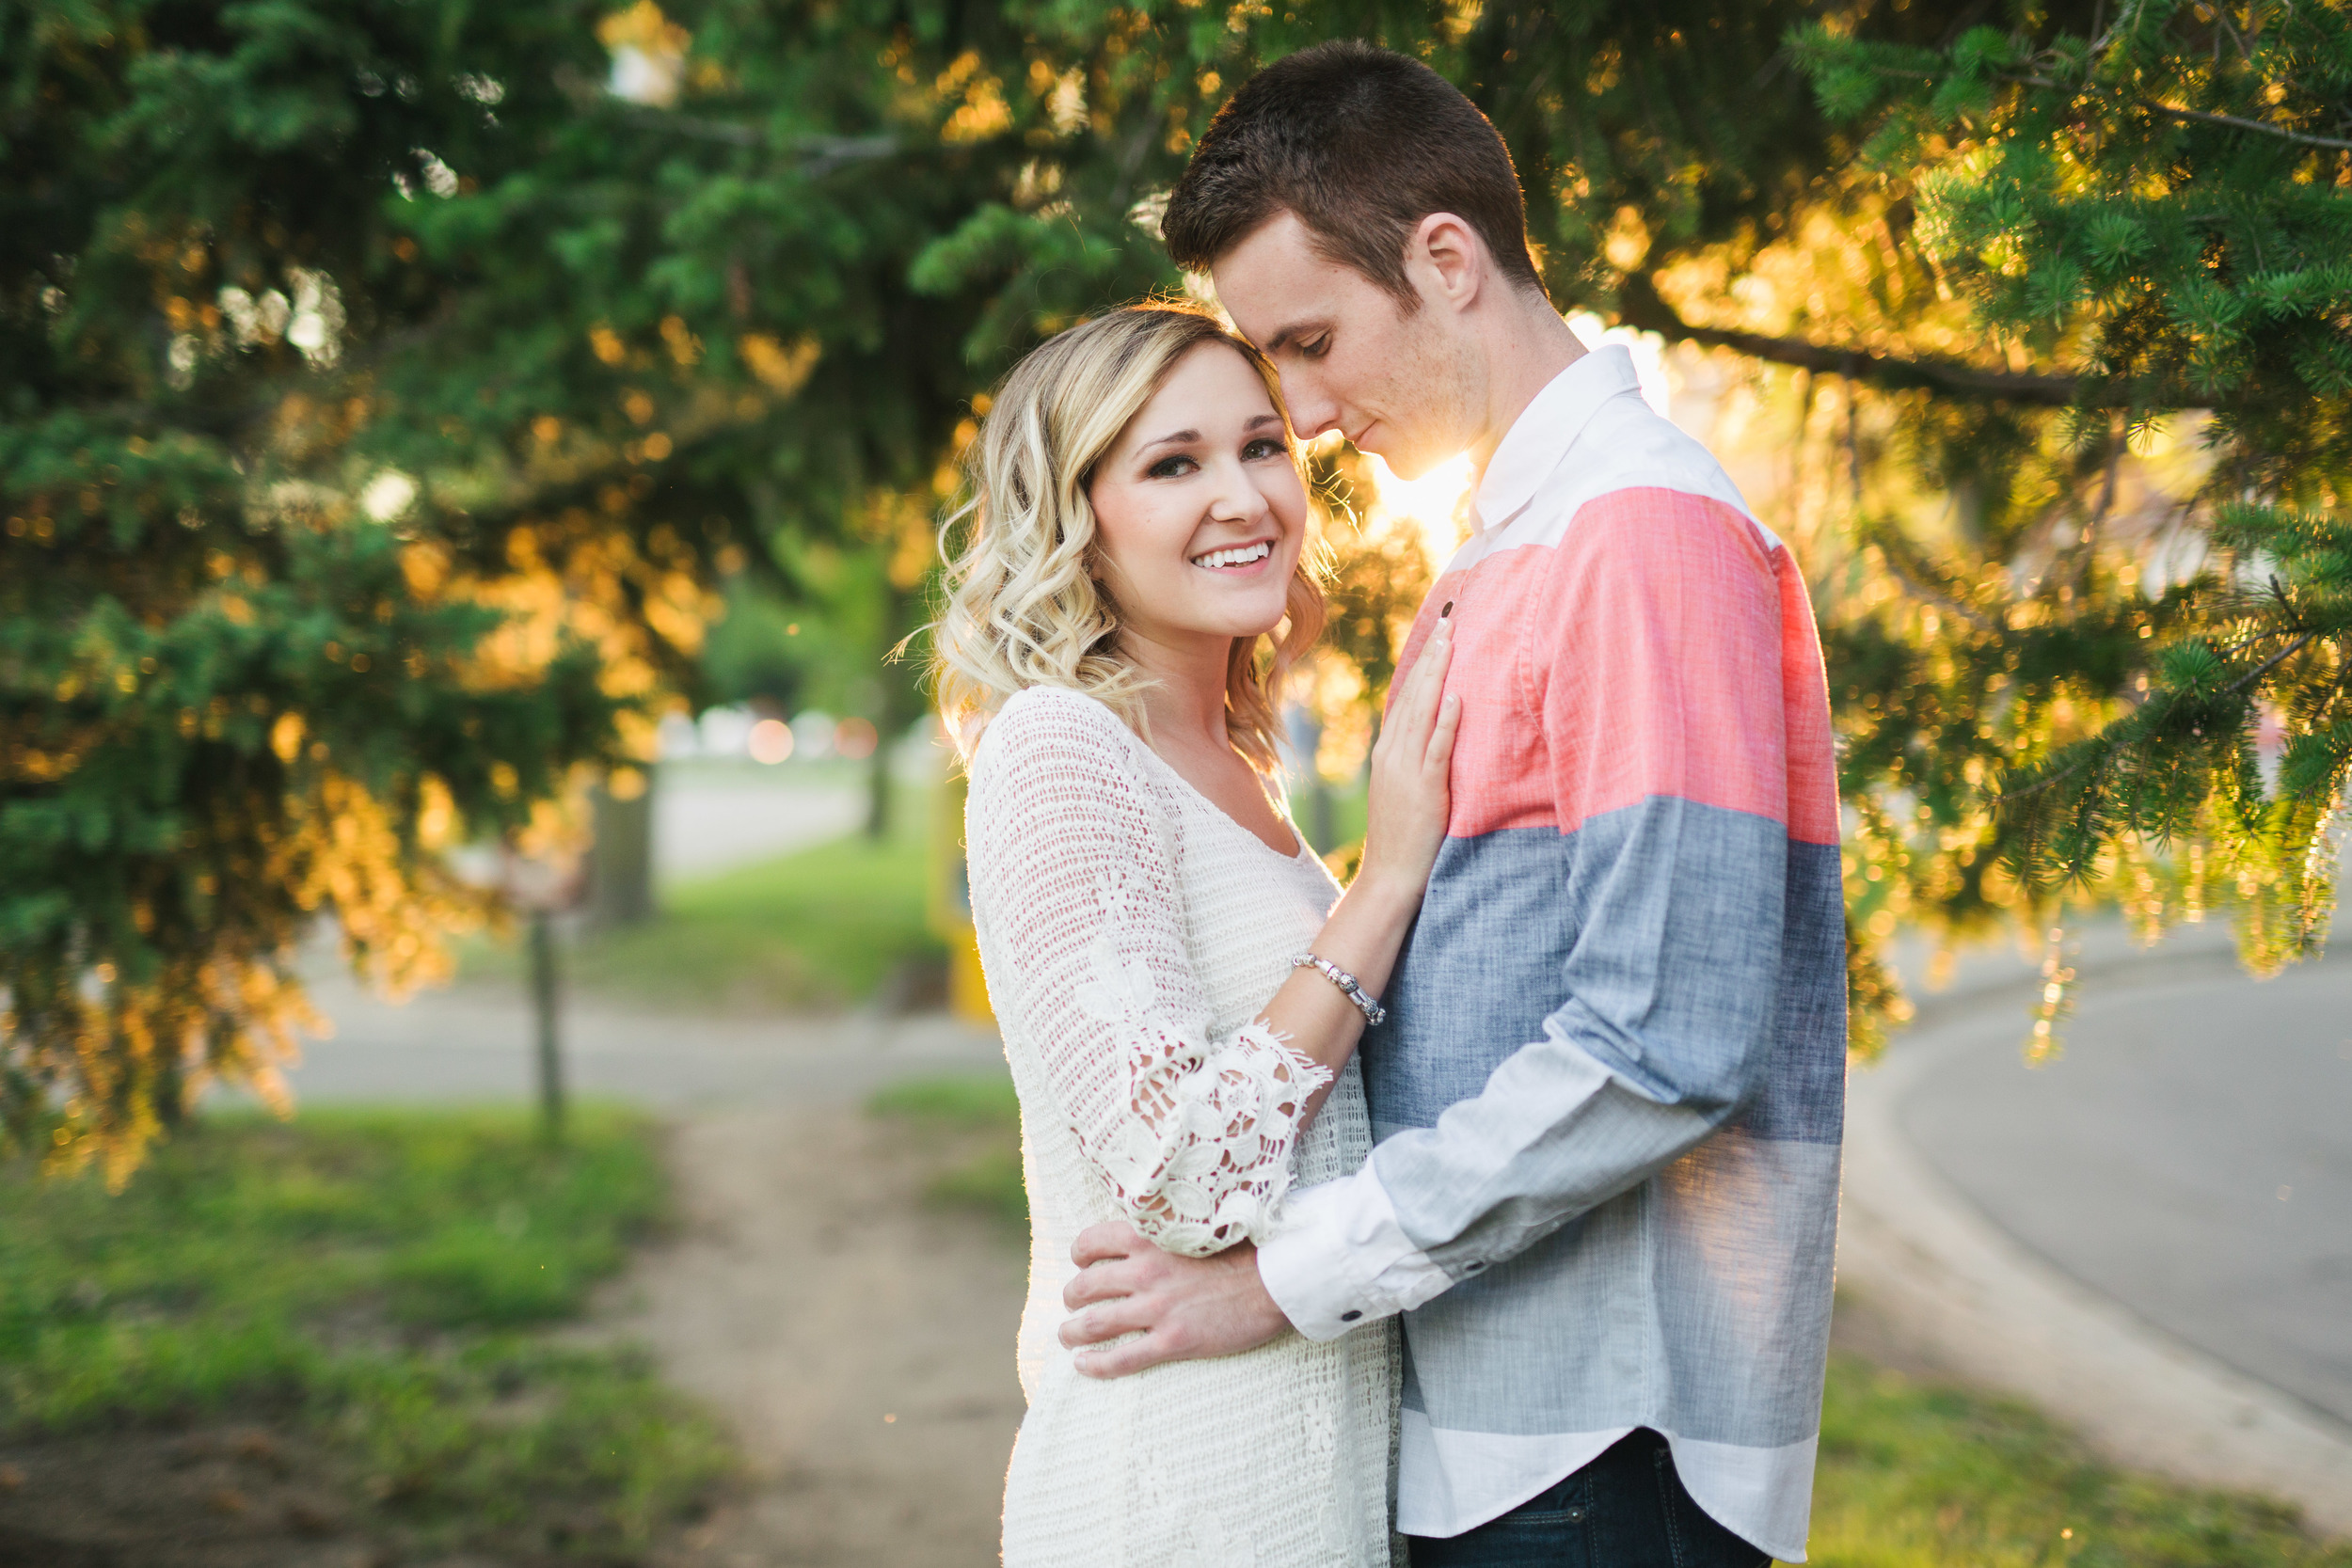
column 1132, row 932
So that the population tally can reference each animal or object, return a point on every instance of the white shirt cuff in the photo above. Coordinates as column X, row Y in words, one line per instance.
column 1338, row 1258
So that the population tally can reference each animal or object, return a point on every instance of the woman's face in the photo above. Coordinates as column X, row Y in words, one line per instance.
column 1199, row 515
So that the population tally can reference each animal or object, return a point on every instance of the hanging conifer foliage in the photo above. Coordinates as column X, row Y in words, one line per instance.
column 2153, row 202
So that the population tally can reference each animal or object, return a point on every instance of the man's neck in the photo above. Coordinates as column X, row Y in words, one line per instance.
column 1526, row 346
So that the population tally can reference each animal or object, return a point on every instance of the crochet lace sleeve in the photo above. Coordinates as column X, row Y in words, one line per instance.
column 1074, row 878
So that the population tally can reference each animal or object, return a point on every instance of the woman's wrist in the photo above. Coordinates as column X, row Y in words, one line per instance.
column 1384, row 897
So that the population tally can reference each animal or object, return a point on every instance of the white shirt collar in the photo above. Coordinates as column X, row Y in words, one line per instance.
column 1545, row 430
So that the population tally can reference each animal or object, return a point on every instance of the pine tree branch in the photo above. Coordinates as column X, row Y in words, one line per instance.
column 1918, row 590
column 2177, row 112
column 2258, row 670
column 2052, row 781
column 2112, row 746
column 1640, row 306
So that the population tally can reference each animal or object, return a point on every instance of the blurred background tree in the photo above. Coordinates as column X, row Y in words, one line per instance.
column 396, row 392
column 366, row 484
column 255, row 663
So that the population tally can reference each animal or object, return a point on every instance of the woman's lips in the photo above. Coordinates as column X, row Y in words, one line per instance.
column 1237, row 560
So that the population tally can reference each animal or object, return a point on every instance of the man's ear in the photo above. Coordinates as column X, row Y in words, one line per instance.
column 1446, row 261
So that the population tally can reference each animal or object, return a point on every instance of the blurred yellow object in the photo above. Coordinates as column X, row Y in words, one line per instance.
column 950, row 911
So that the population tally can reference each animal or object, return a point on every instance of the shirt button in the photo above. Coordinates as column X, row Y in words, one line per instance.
column 1350, row 1316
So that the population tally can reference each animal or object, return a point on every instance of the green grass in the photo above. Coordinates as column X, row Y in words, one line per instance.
column 1914, row 1475
column 814, row 930
column 1910, row 1475
column 978, row 1118
column 374, row 1278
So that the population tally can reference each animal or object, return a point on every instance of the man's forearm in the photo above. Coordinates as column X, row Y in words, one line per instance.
column 1554, row 1136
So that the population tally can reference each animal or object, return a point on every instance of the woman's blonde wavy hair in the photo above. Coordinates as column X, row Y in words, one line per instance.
column 1024, row 606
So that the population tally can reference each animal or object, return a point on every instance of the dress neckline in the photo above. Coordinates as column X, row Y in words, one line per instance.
column 1294, row 858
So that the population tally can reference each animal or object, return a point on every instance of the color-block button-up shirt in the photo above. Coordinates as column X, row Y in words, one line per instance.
column 1610, row 1093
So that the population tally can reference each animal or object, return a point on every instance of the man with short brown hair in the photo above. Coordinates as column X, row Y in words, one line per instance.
column 1610, row 1092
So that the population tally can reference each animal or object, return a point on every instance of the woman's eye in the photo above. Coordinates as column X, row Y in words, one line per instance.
column 1170, row 467
column 1263, row 447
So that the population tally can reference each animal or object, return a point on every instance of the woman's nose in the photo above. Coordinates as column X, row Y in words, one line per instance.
column 1239, row 498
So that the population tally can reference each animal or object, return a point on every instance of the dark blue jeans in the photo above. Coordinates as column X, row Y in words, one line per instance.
column 1625, row 1510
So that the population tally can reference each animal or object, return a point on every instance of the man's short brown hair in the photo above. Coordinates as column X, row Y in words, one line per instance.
column 1362, row 144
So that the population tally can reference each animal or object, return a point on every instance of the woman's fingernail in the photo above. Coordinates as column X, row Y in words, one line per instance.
column 1446, row 612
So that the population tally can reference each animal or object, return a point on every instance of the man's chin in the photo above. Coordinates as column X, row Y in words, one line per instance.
column 1406, row 463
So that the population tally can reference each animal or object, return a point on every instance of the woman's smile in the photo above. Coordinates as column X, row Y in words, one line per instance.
column 1237, row 559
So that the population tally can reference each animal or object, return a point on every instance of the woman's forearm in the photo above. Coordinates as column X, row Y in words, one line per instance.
column 1363, row 936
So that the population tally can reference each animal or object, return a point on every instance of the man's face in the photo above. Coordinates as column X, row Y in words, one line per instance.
column 1350, row 359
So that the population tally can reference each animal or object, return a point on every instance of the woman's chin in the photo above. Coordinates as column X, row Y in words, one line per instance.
column 1256, row 619
column 1232, row 625
column 1239, row 610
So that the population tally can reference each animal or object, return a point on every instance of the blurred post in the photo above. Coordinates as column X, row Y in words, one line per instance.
column 543, row 1001
column 620, row 864
column 543, row 885
column 951, row 905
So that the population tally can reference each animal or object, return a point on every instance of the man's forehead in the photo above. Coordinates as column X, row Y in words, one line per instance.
column 1274, row 283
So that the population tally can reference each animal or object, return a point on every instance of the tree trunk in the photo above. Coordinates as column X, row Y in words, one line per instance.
column 620, row 865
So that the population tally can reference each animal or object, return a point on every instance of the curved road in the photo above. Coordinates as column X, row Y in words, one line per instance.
column 2189, row 1154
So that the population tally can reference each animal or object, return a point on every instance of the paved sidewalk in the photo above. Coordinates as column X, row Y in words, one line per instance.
column 2104, row 1234
column 476, row 1043
column 2189, row 1154
column 714, row 821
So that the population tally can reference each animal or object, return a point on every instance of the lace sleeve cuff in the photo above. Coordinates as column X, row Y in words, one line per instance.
column 1205, row 1161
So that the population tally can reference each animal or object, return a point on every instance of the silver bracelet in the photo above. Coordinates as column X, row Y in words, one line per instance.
column 1374, row 1013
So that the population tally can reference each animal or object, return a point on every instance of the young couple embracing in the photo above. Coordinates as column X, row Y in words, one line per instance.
column 1482, row 1212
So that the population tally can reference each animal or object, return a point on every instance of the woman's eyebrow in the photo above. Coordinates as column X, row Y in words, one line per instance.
column 1263, row 420
column 1168, row 440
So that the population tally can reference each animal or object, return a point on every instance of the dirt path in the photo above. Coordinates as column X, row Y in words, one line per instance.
column 859, row 1340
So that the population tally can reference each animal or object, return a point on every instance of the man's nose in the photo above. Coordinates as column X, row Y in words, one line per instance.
column 1312, row 411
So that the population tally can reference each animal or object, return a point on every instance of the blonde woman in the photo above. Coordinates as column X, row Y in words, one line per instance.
column 1132, row 590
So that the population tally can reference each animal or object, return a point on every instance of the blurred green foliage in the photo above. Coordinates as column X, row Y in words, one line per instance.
column 384, row 399
column 368, row 1277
